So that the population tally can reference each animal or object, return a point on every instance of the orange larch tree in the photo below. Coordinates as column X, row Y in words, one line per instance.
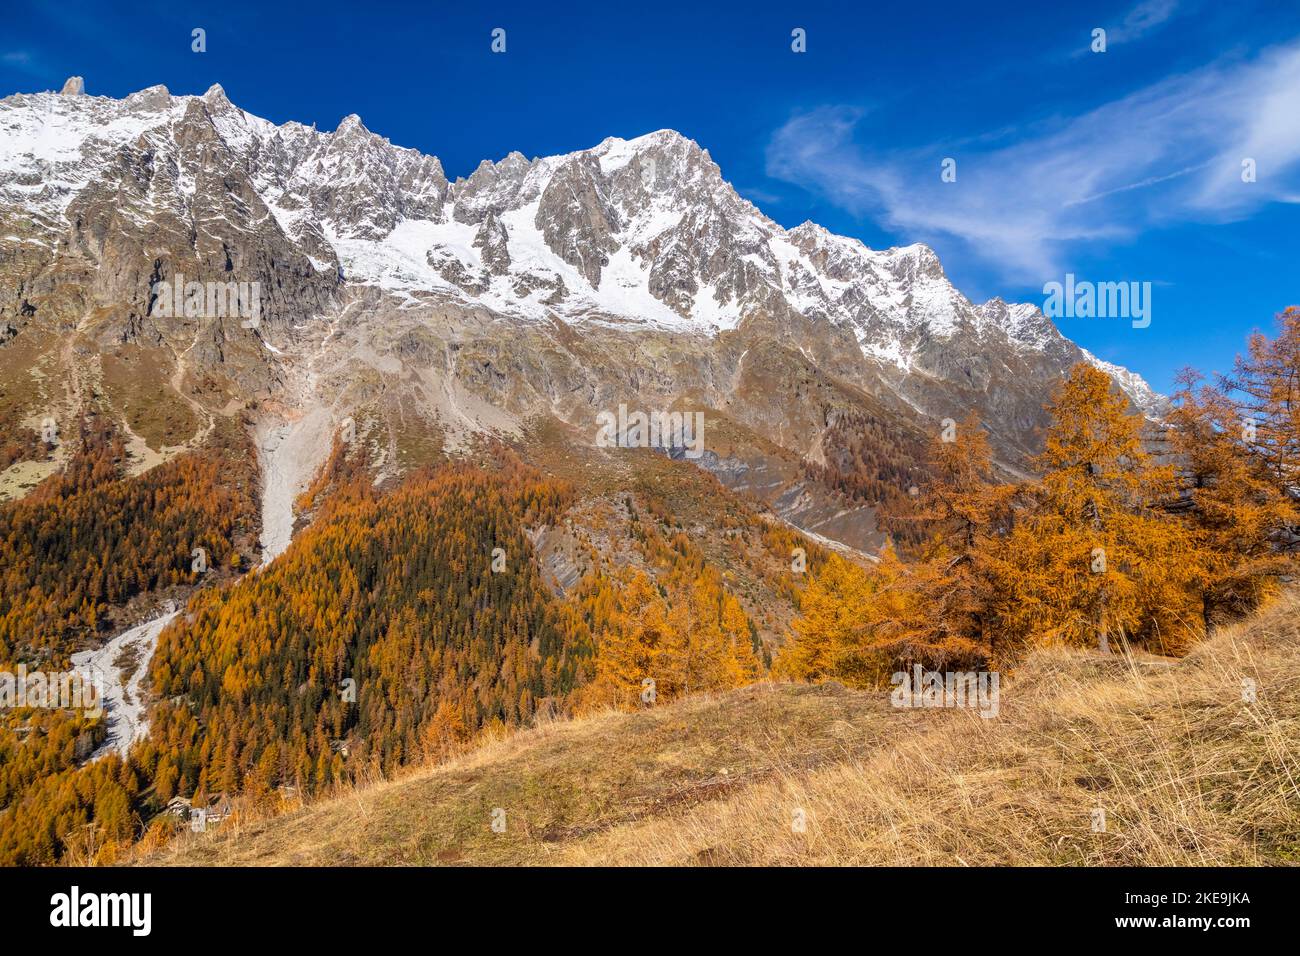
column 1097, row 559
column 1231, row 500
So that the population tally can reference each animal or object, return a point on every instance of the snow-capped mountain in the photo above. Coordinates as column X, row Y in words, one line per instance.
column 630, row 271
column 645, row 230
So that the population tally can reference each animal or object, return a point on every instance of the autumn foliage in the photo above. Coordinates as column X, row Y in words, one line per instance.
column 1130, row 537
column 91, row 539
column 408, row 620
column 392, row 629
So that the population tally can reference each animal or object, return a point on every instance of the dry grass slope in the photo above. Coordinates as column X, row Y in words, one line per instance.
column 1187, row 771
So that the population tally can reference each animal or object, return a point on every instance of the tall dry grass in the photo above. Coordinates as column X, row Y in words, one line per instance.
column 1185, row 770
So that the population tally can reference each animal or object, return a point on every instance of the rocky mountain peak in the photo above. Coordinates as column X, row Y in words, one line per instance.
column 216, row 99
column 492, row 188
column 643, row 234
column 660, row 163
column 808, row 233
column 150, row 100
column 74, row 86
column 351, row 124
column 914, row 261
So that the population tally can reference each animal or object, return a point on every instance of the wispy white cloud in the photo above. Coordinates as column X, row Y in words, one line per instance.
column 1145, row 18
column 1168, row 153
column 759, row 195
column 23, row 61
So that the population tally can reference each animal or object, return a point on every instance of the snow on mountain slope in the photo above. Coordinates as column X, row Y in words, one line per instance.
column 1136, row 387
column 52, row 146
column 641, row 231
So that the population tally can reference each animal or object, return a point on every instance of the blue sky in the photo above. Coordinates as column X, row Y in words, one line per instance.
column 1115, row 166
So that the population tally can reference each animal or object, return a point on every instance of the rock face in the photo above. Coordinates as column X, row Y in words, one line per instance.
column 493, row 243
column 557, row 287
column 74, row 86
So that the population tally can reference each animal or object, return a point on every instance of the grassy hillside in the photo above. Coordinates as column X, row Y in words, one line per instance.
column 1186, row 770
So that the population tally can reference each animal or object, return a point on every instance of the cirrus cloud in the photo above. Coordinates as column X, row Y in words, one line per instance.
column 1168, row 153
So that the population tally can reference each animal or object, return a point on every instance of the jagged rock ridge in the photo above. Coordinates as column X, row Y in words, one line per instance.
column 631, row 271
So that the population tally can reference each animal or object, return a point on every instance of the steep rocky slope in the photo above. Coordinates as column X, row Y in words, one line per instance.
column 389, row 298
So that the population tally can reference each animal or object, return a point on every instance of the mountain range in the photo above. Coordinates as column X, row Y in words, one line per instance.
column 421, row 314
